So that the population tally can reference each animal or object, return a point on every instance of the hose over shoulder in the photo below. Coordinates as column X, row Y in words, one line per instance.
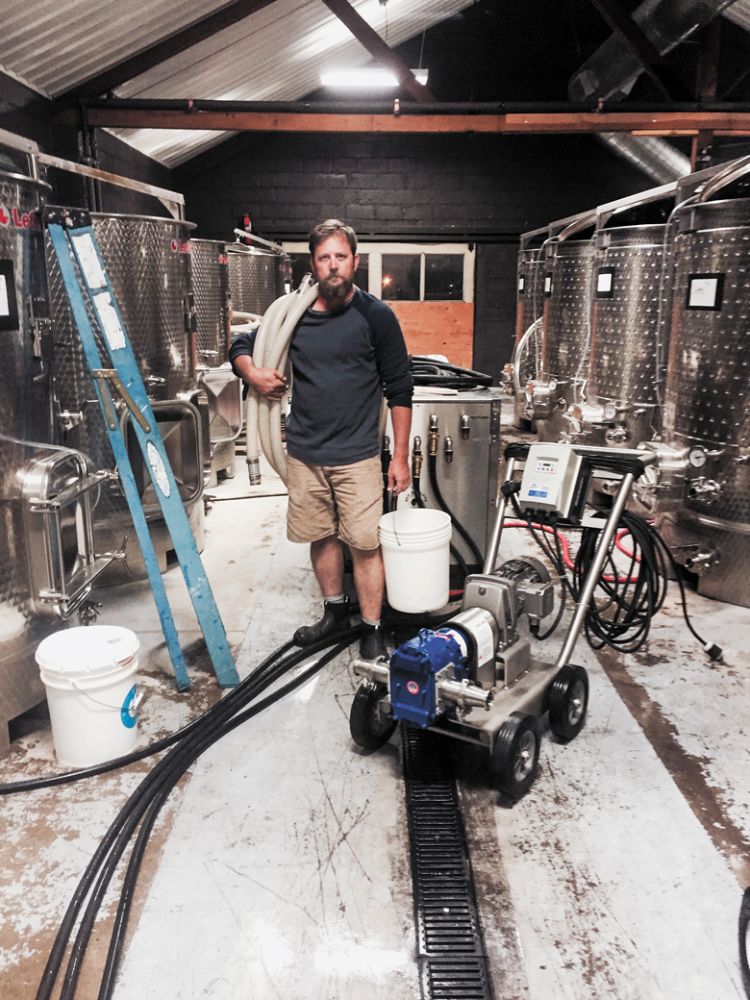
column 271, row 351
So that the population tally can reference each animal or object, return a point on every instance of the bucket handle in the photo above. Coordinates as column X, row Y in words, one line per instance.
column 113, row 708
column 393, row 509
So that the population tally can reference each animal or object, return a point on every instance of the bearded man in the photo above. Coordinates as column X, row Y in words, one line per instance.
column 346, row 353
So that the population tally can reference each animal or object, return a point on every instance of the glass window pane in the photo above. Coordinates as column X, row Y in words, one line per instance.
column 401, row 276
column 444, row 276
column 362, row 274
column 300, row 267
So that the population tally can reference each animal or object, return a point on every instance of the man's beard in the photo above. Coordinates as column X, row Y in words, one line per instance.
column 335, row 293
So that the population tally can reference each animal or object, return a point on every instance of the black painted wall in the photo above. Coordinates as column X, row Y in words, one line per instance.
column 483, row 189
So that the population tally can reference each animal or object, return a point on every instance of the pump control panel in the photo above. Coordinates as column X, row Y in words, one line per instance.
column 550, row 480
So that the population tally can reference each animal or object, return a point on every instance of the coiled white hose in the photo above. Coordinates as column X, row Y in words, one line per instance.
column 263, row 415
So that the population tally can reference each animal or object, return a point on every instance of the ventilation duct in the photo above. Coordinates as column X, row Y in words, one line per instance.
column 660, row 161
column 609, row 74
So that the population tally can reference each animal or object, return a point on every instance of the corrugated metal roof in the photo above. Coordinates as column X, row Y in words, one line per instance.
column 739, row 12
column 275, row 54
column 55, row 44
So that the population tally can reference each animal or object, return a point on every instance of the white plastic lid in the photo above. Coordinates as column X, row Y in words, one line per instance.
column 87, row 650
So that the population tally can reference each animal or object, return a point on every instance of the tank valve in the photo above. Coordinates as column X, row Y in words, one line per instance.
column 68, row 419
column 465, row 426
column 702, row 560
column 416, row 457
column 617, row 435
column 540, row 399
column 432, row 441
column 448, row 448
column 705, row 490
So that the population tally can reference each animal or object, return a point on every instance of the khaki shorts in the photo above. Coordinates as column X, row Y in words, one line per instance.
column 341, row 500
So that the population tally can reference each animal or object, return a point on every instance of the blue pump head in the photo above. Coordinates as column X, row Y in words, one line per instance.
column 413, row 669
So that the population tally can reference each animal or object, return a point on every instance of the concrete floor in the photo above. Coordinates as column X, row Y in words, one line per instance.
column 280, row 868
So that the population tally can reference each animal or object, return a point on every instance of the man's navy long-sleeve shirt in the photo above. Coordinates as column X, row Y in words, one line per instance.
column 342, row 364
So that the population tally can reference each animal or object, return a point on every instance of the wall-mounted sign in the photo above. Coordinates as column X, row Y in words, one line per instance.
column 605, row 282
column 704, row 291
column 548, row 285
column 8, row 307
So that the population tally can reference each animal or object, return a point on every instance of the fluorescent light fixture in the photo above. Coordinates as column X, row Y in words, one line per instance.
column 366, row 78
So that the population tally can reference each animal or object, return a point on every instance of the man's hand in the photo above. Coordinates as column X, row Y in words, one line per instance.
column 398, row 475
column 268, row 382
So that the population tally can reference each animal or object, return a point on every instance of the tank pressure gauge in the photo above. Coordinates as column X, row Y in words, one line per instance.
column 609, row 412
column 697, row 458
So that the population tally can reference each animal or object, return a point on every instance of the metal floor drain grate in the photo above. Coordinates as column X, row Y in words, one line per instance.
column 449, row 936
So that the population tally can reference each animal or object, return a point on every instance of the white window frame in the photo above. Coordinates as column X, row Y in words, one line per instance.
column 375, row 253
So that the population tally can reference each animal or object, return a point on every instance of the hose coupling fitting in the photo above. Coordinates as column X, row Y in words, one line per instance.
column 416, row 458
column 253, row 471
column 448, row 448
column 434, row 436
column 374, row 670
column 465, row 694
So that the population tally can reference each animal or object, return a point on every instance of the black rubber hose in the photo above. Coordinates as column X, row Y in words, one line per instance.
column 186, row 753
column 223, row 710
column 432, row 466
column 429, row 371
column 461, row 562
column 51, row 971
column 126, row 899
column 50, row 781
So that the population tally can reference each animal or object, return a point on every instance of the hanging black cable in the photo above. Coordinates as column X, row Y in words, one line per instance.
column 432, row 467
column 460, row 561
column 627, row 597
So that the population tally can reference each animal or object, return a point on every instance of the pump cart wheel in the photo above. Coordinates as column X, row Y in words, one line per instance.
column 568, row 701
column 515, row 756
column 369, row 726
column 745, row 941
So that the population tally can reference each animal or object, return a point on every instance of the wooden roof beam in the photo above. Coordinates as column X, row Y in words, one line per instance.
column 371, row 40
column 247, row 120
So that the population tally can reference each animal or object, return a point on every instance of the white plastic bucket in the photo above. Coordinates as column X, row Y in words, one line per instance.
column 91, row 692
column 416, row 554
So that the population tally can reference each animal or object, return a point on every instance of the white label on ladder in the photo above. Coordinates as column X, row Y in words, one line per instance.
column 89, row 261
column 109, row 321
column 158, row 469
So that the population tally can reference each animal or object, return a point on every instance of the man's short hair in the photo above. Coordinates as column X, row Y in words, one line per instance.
column 331, row 227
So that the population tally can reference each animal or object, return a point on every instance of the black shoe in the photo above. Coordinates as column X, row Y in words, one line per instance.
column 372, row 643
column 335, row 618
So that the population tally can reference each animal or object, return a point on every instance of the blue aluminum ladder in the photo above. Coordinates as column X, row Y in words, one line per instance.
column 81, row 267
